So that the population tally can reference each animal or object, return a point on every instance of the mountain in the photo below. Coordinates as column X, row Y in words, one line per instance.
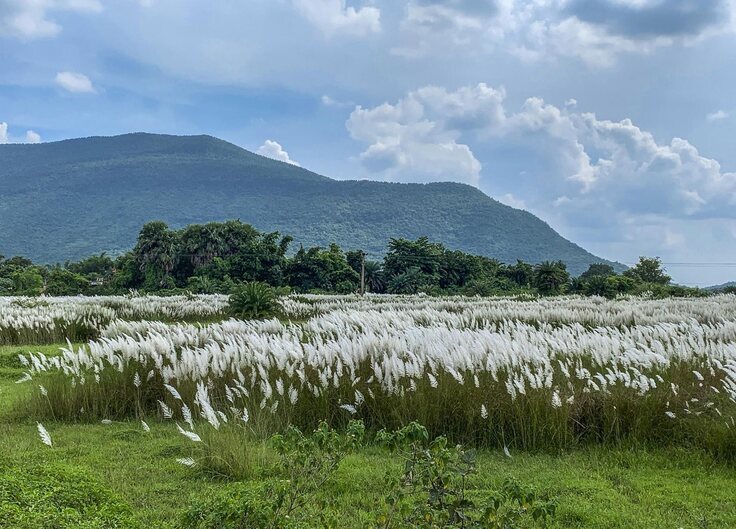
column 716, row 288
column 74, row 198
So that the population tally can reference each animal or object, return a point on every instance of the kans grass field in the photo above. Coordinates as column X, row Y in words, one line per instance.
column 160, row 412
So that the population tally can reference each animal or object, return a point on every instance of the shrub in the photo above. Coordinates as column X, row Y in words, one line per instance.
column 253, row 301
column 305, row 464
column 437, row 475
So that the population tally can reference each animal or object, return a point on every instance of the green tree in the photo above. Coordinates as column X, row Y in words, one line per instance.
column 6, row 286
column 156, row 255
column 317, row 269
column 620, row 284
column 374, row 277
column 404, row 255
column 27, row 282
column 63, row 282
column 550, row 277
column 412, row 281
column 520, row 273
column 95, row 267
column 649, row 270
column 597, row 270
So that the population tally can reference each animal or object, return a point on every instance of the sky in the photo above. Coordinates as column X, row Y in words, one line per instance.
column 612, row 120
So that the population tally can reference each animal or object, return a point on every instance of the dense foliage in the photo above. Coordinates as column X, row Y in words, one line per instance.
column 124, row 181
column 216, row 257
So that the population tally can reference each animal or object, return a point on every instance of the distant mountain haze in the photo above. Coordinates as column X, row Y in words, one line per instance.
column 70, row 199
column 731, row 284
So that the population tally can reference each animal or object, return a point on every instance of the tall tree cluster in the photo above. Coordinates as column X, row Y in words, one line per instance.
column 214, row 257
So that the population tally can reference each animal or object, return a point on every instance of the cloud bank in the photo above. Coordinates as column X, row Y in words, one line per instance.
column 585, row 173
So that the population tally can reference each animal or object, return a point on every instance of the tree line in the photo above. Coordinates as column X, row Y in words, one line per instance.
column 216, row 257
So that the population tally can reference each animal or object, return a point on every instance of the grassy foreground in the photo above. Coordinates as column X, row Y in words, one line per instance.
column 595, row 488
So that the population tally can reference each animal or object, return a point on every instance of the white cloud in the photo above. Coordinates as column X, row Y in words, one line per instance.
column 29, row 19
column 329, row 101
column 718, row 115
column 440, row 15
column 74, row 82
column 610, row 180
column 416, row 139
column 334, row 17
column 595, row 31
column 33, row 137
column 272, row 149
column 30, row 137
column 510, row 200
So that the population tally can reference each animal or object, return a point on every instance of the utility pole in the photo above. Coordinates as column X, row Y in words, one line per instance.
column 362, row 273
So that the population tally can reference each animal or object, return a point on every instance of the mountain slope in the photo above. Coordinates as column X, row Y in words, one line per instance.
column 73, row 198
column 730, row 284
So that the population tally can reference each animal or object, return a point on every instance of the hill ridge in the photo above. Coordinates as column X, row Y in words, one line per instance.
column 73, row 198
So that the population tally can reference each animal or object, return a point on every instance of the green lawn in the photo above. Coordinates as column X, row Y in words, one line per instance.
column 596, row 488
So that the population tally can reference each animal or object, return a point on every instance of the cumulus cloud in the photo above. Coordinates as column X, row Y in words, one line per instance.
column 609, row 176
column 272, row 149
column 438, row 15
column 416, row 139
column 718, row 115
column 30, row 19
column 33, row 137
column 334, row 17
column 76, row 83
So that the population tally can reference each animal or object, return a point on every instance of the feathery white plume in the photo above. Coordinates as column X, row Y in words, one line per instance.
column 44, row 435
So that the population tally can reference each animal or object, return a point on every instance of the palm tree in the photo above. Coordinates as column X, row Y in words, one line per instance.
column 156, row 251
column 550, row 277
column 375, row 280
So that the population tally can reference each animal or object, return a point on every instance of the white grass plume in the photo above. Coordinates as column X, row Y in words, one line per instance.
column 44, row 435
column 189, row 435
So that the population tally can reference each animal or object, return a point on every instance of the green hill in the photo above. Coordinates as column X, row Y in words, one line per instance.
column 715, row 288
column 73, row 198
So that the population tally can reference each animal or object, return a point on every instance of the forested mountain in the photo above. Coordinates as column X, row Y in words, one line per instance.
column 74, row 198
column 724, row 286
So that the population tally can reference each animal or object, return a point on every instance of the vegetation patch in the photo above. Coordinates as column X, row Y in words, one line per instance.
column 60, row 497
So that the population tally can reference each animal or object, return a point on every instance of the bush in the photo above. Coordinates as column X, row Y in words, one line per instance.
column 433, row 490
column 254, row 300
column 58, row 497
column 305, row 464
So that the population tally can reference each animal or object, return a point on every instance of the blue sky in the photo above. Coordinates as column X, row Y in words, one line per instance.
column 613, row 120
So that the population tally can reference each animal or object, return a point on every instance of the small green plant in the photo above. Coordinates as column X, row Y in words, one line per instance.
column 433, row 490
column 254, row 300
column 305, row 464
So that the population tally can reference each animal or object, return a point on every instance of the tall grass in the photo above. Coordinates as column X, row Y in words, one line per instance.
column 45, row 320
column 452, row 365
